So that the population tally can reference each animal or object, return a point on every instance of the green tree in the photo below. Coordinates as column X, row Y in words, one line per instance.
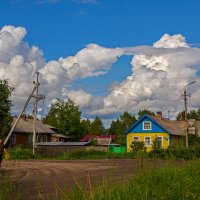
column 97, row 127
column 127, row 120
column 193, row 114
column 66, row 117
column 119, row 126
column 85, row 126
column 5, row 106
column 145, row 111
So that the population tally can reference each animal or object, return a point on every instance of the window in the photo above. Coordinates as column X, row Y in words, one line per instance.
column 146, row 125
column 136, row 139
column 147, row 141
column 160, row 141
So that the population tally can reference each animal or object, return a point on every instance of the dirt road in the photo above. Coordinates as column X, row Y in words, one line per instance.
column 50, row 177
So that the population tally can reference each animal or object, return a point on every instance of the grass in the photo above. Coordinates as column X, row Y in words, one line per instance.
column 175, row 153
column 169, row 183
column 19, row 153
column 93, row 154
column 9, row 189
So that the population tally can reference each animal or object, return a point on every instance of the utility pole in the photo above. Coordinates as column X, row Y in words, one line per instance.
column 185, row 104
column 22, row 111
column 37, row 84
column 185, row 95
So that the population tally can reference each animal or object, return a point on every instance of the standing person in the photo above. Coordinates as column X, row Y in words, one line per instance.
column 1, row 150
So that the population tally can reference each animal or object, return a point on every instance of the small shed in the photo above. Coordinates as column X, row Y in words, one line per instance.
column 59, row 148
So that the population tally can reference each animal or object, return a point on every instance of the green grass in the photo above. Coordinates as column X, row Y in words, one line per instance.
column 9, row 189
column 174, row 183
column 19, row 153
column 175, row 153
column 93, row 154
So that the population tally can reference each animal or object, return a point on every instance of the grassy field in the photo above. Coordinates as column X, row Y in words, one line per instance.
column 174, row 183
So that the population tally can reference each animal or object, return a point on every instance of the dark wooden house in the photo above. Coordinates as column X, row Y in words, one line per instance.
column 23, row 132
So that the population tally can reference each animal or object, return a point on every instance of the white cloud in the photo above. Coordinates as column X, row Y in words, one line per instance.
column 159, row 74
column 19, row 63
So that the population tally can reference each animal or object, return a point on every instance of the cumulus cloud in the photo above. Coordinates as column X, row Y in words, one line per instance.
column 19, row 63
column 159, row 74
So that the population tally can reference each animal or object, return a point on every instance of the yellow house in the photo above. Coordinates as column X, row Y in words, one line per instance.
column 147, row 128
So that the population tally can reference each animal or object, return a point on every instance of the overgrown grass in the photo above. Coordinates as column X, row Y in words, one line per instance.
column 93, row 154
column 9, row 189
column 19, row 153
column 175, row 153
column 174, row 183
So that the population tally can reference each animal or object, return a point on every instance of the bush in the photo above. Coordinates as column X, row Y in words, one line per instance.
column 176, row 153
column 138, row 146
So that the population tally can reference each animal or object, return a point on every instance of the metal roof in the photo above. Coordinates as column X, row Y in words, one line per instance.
column 62, row 143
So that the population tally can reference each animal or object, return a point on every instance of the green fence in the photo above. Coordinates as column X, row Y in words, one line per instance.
column 115, row 149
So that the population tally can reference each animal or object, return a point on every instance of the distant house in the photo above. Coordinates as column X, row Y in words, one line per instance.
column 60, row 138
column 168, row 132
column 102, row 140
column 57, row 137
column 23, row 132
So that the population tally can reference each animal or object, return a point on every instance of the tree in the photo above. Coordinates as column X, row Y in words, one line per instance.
column 97, row 127
column 127, row 120
column 119, row 126
column 66, row 117
column 5, row 106
column 115, row 128
column 145, row 111
column 85, row 126
column 193, row 114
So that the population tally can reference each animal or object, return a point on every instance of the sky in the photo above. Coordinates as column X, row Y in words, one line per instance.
column 109, row 56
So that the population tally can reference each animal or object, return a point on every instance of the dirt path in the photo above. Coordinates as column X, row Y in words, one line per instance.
column 50, row 177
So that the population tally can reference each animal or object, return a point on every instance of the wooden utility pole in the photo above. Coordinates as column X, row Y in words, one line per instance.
column 185, row 104
column 22, row 111
column 37, row 84
column 185, row 95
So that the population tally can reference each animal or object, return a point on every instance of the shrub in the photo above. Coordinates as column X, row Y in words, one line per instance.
column 138, row 146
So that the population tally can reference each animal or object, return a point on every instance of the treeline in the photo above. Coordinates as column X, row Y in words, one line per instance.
column 66, row 116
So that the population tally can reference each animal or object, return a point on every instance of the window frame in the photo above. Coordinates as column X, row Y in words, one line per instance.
column 161, row 140
column 145, row 141
column 150, row 125
column 138, row 137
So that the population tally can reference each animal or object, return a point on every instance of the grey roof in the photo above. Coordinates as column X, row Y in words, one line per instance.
column 61, row 136
column 26, row 126
column 179, row 127
column 62, row 143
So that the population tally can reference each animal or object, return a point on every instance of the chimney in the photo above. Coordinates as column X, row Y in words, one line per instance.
column 159, row 115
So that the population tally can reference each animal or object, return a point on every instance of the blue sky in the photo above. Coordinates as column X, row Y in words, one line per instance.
column 61, row 28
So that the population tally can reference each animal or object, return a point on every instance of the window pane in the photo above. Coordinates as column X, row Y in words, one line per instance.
column 136, row 139
column 147, row 125
column 147, row 141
